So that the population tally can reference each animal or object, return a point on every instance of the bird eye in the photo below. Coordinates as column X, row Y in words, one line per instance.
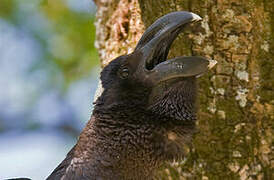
column 124, row 73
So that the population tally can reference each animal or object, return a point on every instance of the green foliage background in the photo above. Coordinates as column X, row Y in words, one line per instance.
column 65, row 34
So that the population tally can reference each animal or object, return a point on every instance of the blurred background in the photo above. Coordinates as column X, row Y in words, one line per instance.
column 48, row 74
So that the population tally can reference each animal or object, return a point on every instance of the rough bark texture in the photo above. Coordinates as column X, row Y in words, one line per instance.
column 235, row 138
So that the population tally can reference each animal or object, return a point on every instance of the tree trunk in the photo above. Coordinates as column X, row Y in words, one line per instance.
column 235, row 138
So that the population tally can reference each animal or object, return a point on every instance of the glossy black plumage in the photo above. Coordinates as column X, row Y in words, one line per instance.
column 145, row 114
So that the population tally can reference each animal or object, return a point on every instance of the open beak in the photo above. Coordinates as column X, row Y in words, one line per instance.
column 154, row 46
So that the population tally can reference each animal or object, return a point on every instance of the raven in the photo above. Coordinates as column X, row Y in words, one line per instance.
column 146, row 112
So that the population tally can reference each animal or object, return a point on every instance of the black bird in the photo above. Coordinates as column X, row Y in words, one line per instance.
column 146, row 112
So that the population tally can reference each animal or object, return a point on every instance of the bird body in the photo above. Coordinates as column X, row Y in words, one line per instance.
column 124, row 142
column 146, row 112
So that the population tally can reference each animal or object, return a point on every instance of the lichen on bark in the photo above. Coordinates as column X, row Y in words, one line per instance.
column 235, row 138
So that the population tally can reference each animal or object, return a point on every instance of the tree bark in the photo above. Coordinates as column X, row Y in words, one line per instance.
column 235, row 138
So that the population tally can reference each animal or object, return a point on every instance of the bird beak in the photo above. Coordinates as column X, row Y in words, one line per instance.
column 154, row 46
column 212, row 63
column 180, row 67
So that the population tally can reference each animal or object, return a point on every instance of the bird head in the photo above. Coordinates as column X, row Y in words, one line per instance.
column 146, row 79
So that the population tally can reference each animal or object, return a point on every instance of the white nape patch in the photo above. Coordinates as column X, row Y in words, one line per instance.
column 99, row 91
column 196, row 17
column 212, row 63
column 74, row 163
